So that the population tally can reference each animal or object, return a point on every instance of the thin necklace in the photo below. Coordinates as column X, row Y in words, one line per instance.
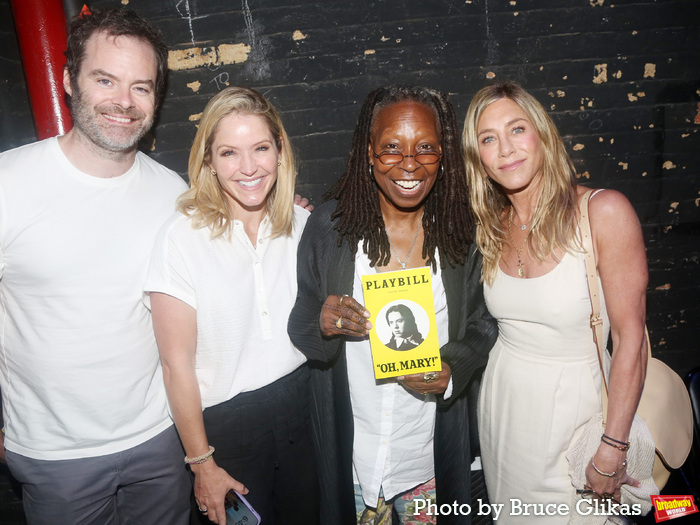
column 521, row 270
column 403, row 264
column 523, row 227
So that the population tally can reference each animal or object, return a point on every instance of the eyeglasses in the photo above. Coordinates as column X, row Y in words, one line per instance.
column 424, row 158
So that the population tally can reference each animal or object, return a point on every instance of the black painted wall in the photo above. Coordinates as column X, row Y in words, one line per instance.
column 621, row 79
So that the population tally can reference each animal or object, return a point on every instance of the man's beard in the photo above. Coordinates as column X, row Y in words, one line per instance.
column 89, row 121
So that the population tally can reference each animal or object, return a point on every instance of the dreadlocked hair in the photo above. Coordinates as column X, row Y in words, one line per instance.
column 447, row 219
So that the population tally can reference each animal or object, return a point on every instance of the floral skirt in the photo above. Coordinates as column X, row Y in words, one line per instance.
column 404, row 506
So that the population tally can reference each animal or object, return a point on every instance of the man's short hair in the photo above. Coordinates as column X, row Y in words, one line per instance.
column 114, row 22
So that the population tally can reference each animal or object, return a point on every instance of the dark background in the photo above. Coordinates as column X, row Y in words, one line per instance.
column 621, row 80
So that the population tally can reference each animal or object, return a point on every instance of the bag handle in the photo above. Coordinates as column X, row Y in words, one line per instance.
column 594, row 291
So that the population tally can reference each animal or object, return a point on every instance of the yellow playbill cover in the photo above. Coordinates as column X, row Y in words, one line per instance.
column 404, row 336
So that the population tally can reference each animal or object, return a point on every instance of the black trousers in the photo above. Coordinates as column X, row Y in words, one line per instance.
column 263, row 439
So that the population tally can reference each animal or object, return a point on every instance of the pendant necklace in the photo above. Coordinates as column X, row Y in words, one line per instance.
column 403, row 264
column 518, row 251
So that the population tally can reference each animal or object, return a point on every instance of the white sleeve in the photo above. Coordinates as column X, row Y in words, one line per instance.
column 169, row 271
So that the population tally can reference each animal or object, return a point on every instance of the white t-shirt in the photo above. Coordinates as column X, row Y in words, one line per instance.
column 394, row 427
column 242, row 294
column 79, row 368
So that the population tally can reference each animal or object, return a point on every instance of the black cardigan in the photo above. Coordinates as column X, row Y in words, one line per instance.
column 324, row 268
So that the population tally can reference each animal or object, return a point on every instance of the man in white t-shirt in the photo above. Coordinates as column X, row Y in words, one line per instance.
column 87, row 430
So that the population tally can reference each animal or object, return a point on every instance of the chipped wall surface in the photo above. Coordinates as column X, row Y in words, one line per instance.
column 619, row 78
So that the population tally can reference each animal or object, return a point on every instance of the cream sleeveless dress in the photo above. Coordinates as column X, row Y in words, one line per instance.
column 541, row 384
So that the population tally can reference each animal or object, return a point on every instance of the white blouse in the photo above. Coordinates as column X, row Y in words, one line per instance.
column 242, row 294
column 394, row 427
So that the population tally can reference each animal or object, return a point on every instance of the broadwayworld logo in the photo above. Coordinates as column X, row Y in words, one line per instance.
column 670, row 507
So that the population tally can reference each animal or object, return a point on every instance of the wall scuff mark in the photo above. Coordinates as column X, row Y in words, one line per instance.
column 181, row 59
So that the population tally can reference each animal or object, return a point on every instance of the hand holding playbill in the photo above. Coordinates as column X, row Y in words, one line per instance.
column 341, row 314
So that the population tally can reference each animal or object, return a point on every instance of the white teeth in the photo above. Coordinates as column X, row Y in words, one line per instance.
column 407, row 184
column 250, row 183
column 118, row 119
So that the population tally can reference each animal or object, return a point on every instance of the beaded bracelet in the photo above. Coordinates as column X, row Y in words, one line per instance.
column 619, row 445
column 200, row 459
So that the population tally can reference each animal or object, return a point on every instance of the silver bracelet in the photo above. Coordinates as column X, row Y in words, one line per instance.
column 606, row 474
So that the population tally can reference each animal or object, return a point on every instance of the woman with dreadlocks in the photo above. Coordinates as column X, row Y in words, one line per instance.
column 402, row 203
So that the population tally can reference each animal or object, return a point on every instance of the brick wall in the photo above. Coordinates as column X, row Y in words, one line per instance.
column 621, row 80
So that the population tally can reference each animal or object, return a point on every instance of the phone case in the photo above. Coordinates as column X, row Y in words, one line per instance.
column 239, row 511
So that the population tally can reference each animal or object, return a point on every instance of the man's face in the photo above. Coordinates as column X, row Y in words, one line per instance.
column 113, row 100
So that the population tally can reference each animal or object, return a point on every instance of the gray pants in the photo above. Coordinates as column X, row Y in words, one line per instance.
column 144, row 485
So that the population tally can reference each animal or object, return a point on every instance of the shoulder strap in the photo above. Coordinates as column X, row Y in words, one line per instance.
column 594, row 291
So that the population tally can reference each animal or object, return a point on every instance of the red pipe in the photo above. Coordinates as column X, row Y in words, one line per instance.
column 41, row 31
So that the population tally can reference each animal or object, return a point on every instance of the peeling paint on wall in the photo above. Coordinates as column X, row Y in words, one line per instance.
column 490, row 75
column 182, row 59
column 596, row 3
column 601, row 73
column 649, row 70
column 663, row 287
column 623, row 165
column 370, row 51
column 298, row 35
column 194, row 86
column 617, row 74
column 584, row 175
column 578, row 147
column 195, row 117
column 697, row 116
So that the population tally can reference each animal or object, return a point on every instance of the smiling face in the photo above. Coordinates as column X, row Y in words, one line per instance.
column 408, row 128
column 509, row 146
column 244, row 156
column 113, row 98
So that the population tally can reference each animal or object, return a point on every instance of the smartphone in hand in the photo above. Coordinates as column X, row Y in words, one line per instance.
column 239, row 511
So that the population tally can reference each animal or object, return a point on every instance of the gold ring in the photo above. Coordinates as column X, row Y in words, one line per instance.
column 429, row 377
column 339, row 323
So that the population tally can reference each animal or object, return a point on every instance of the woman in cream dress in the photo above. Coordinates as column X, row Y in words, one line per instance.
column 542, row 381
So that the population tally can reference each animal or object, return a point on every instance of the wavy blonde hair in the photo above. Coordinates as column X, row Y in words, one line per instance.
column 205, row 201
column 554, row 221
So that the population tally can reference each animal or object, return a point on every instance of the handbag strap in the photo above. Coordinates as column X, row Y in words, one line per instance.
column 594, row 291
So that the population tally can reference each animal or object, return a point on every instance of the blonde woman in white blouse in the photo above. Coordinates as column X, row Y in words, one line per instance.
column 221, row 285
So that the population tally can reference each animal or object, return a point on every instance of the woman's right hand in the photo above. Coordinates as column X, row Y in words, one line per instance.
column 211, row 483
column 343, row 315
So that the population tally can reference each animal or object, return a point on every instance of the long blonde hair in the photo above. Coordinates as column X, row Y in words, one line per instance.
column 554, row 221
column 205, row 201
